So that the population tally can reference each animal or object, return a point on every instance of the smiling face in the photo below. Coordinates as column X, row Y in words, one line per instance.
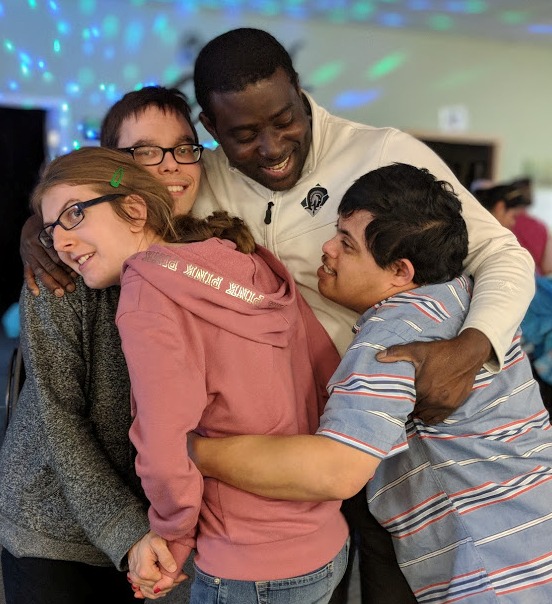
column 97, row 247
column 165, row 129
column 349, row 274
column 264, row 130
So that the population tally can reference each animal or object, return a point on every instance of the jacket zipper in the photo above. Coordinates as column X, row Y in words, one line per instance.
column 268, row 213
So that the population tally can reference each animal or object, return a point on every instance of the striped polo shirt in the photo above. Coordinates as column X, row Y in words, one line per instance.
column 468, row 501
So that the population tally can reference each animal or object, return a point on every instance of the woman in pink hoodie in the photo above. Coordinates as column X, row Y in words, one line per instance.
column 217, row 339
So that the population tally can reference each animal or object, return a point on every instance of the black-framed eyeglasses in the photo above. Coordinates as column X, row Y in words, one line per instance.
column 151, row 155
column 71, row 217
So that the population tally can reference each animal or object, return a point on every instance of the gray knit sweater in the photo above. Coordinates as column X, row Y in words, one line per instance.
column 67, row 484
column 68, row 489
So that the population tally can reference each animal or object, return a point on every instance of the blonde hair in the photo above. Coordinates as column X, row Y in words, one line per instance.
column 108, row 171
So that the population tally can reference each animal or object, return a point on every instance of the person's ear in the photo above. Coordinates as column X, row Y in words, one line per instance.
column 136, row 209
column 208, row 125
column 402, row 272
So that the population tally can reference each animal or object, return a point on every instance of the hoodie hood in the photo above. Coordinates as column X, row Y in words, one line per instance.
column 251, row 295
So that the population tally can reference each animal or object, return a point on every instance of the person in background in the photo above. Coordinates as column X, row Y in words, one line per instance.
column 284, row 164
column 194, row 293
column 467, row 500
column 533, row 234
column 504, row 202
column 71, row 506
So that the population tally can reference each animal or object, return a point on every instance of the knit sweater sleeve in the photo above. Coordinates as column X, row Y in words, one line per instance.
column 57, row 372
column 168, row 399
column 502, row 270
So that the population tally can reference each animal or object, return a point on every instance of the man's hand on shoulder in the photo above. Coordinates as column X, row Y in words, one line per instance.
column 41, row 263
column 445, row 371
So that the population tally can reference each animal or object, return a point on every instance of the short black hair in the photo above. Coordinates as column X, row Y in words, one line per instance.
column 415, row 216
column 235, row 59
column 511, row 195
column 136, row 102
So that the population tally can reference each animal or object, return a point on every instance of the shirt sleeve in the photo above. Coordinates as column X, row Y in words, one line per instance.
column 503, row 271
column 168, row 399
column 101, row 500
column 370, row 401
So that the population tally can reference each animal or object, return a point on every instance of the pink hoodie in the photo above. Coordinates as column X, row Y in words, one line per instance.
column 222, row 342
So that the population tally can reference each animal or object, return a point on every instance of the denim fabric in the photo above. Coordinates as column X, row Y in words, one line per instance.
column 313, row 588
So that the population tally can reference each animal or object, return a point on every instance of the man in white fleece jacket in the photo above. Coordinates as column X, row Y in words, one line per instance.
column 283, row 165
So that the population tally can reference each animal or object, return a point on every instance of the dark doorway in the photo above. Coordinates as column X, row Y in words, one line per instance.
column 22, row 153
column 469, row 160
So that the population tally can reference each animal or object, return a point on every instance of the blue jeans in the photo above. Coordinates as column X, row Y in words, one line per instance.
column 313, row 588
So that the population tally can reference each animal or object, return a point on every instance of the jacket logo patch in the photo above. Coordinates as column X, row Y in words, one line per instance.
column 315, row 199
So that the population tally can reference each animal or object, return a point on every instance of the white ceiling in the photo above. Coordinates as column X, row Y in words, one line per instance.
column 528, row 21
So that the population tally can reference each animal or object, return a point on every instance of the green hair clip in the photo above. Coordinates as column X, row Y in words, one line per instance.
column 117, row 177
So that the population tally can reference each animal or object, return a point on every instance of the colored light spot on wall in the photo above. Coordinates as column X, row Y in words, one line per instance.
column 13, row 85
column 8, row 46
column 269, row 9
column 172, row 73
column 87, row 7
column 133, row 35
column 392, row 20
column 72, row 88
column 25, row 70
column 540, row 28
column 131, row 72
column 361, row 11
column 63, row 28
column 85, row 77
column 31, row 3
column 470, row 7
column 57, row 46
column 440, row 22
column 476, row 7
column 47, row 77
column 25, row 58
column 160, row 23
column 326, row 73
column 386, row 65
column 416, row 5
column 110, row 26
column 53, row 6
column 462, row 78
column 337, row 16
column 351, row 99
column 513, row 17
